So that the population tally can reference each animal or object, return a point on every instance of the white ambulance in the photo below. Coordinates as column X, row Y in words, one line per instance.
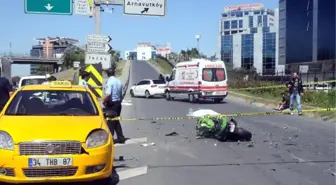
column 198, row 79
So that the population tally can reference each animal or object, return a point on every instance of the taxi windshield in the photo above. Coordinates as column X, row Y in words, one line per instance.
column 52, row 103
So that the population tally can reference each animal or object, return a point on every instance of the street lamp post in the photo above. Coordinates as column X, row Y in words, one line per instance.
column 198, row 37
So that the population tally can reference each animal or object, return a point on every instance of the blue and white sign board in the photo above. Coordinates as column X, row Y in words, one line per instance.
column 145, row 7
column 83, row 7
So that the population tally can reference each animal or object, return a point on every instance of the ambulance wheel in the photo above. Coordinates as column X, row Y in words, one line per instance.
column 147, row 94
column 218, row 100
column 191, row 98
column 132, row 93
column 167, row 96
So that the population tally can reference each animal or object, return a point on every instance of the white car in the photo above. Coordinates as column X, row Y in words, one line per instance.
column 31, row 80
column 148, row 88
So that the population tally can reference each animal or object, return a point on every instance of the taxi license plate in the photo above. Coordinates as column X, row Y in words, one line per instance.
column 49, row 162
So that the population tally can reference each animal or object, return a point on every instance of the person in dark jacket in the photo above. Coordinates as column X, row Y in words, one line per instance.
column 295, row 87
column 5, row 91
column 161, row 77
column 284, row 103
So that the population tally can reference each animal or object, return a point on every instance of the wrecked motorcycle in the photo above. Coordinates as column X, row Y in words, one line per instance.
column 221, row 129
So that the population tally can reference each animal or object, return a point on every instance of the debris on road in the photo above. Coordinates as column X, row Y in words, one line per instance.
column 251, row 145
column 172, row 134
column 123, row 158
column 148, row 144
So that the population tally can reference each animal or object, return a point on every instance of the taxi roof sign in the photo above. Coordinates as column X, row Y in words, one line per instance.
column 62, row 84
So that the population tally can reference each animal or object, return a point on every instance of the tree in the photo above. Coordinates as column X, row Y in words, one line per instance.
column 73, row 53
column 115, row 55
column 190, row 53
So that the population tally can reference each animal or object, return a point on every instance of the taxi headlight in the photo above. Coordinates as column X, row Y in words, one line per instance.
column 6, row 141
column 97, row 138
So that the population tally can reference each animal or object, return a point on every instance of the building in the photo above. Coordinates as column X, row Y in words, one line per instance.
column 146, row 51
column 163, row 50
column 52, row 47
column 248, row 38
column 307, row 34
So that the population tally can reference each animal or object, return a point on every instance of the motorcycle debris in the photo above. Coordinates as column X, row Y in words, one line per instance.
column 153, row 122
column 172, row 134
column 148, row 144
column 273, row 169
column 123, row 158
column 251, row 145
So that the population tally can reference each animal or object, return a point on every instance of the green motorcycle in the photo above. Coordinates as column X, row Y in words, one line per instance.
column 221, row 129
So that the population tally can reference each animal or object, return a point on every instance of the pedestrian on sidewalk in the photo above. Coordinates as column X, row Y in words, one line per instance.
column 112, row 102
column 5, row 91
column 296, row 91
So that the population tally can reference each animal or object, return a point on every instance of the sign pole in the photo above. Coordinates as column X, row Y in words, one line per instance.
column 97, row 16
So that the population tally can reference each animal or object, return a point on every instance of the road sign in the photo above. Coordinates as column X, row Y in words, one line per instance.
column 145, row 7
column 83, row 7
column 98, row 38
column 104, row 59
column 58, row 7
column 109, row 2
column 76, row 64
column 98, row 47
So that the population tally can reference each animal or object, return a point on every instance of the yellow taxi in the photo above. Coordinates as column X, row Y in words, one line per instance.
column 54, row 133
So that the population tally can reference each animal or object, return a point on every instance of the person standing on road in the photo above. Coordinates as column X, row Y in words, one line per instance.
column 112, row 101
column 296, row 91
column 5, row 91
column 49, row 79
column 85, row 78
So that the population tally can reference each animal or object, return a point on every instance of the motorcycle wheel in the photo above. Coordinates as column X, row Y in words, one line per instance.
column 240, row 134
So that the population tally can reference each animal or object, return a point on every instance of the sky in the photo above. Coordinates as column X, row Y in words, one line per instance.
column 184, row 19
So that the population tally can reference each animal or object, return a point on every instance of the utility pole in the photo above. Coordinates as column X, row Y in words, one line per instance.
column 97, row 16
column 10, row 49
column 97, row 4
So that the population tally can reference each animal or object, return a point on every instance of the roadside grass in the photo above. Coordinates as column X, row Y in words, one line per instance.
column 162, row 65
column 66, row 74
column 120, row 66
column 272, row 97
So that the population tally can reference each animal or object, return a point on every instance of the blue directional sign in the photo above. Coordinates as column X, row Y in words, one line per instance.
column 56, row 7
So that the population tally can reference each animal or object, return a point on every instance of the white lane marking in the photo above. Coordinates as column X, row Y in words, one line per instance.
column 298, row 159
column 126, row 104
column 133, row 141
column 126, row 174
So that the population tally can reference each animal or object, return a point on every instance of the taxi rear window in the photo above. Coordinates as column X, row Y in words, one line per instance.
column 52, row 103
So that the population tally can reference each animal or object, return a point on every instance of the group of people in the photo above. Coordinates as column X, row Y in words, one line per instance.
column 294, row 93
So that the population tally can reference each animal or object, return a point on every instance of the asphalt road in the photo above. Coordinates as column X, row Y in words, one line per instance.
column 285, row 149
